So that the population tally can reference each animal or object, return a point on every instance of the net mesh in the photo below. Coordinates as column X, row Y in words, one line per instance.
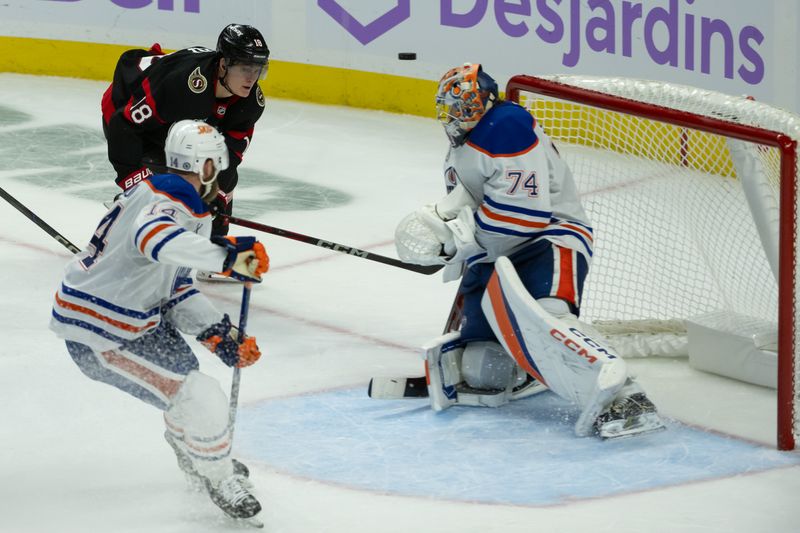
column 675, row 237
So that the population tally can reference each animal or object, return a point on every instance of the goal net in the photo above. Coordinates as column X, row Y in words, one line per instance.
column 692, row 194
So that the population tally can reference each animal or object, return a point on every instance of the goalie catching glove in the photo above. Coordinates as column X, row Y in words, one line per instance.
column 422, row 237
column 246, row 259
column 222, row 339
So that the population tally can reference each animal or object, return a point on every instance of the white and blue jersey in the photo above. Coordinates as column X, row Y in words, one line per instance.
column 523, row 190
column 136, row 270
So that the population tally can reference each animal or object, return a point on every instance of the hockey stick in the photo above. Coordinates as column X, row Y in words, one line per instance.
column 349, row 250
column 39, row 222
column 237, row 372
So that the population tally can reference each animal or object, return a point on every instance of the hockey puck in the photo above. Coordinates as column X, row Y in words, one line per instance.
column 407, row 56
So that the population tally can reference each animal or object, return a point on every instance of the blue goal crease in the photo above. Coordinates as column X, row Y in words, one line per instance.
column 466, row 453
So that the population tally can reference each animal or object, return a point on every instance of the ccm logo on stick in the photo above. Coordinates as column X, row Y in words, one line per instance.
column 340, row 248
column 577, row 348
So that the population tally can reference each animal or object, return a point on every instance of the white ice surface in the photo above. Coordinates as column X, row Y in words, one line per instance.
column 80, row 456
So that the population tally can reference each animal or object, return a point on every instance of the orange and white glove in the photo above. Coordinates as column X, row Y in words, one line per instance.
column 222, row 339
column 246, row 261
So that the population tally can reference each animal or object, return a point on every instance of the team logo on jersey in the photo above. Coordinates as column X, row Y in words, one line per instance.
column 451, row 177
column 221, row 111
column 197, row 82
column 260, row 96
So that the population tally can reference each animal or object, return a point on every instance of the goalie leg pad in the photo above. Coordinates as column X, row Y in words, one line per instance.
column 486, row 365
column 443, row 359
column 553, row 350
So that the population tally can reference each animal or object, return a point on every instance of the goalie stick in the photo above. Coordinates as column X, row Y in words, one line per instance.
column 416, row 387
column 39, row 222
column 383, row 388
column 336, row 247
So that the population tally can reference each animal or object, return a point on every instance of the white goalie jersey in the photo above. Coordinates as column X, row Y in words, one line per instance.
column 136, row 270
column 520, row 188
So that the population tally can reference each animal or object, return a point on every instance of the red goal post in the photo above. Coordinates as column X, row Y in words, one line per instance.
column 689, row 135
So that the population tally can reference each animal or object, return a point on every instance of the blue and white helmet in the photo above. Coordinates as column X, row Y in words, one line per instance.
column 190, row 143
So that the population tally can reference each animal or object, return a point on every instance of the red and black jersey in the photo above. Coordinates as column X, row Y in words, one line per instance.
column 152, row 90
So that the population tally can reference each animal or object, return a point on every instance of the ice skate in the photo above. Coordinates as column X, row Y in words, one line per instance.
column 628, row 416
column 529, row 387
column 610, row 381
column 233, row 498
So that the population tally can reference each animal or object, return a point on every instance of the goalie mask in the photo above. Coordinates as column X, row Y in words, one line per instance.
column 190, row 143
column 465, row 94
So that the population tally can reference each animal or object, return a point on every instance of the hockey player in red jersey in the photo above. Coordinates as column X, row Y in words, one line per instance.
column 513, row 228
column 125, row 300
column 152, row 90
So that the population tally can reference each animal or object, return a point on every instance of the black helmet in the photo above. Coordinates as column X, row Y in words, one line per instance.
column 240, row 43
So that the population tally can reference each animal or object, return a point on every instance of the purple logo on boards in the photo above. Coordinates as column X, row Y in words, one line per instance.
column 374, row 29
column 189, row 6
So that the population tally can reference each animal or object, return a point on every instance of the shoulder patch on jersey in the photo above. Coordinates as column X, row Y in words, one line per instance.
column 451, row 178
column 506, row 130
column 180, row 190
column 260, row 96
column 197, row 82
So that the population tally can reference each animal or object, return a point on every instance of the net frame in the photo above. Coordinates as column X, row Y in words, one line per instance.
column 561, row 87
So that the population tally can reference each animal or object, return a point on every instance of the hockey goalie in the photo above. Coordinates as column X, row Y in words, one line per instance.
column 512, row 227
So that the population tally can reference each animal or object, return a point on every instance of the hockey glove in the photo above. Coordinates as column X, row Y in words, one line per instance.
column 219, row 203
column 246, row 260
column 419, row 237
column 222, row 339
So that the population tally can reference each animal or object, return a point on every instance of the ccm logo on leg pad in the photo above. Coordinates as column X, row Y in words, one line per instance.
column 573, row 345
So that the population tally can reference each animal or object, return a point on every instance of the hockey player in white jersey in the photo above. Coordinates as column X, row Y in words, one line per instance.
column 513, row 224
column 125, row 300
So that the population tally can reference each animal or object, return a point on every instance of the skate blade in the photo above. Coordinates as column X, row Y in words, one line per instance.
column 622, row 429
column 231, row 522
column 252, row 522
